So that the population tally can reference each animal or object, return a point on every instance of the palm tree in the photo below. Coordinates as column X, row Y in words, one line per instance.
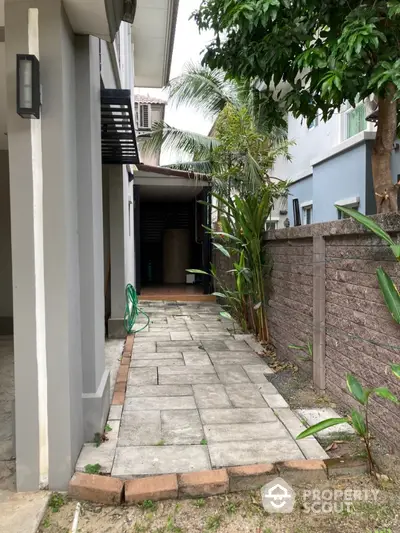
column 243, row 143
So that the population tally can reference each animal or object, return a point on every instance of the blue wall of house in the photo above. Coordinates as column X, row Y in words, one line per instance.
column 345, row 175
column 303, row 191
column 338, row 178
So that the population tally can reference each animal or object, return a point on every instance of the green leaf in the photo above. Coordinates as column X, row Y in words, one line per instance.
column 367, row 222
column 396, row 370
column 320, row 426
column 396, row 251
column 384, row 392
column 225, row 314
column 358, row 422
column 197, row 271
column 390, row 293
column 227, row 235
column 295, row 347
column 356, row 389
column 219, row 294
column 221, row 249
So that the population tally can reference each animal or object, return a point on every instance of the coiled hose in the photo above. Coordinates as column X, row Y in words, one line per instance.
column 132, row 310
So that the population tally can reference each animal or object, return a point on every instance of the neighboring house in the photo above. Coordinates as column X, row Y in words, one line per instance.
column 331, row 164
column 148, row 111
column 67, row 213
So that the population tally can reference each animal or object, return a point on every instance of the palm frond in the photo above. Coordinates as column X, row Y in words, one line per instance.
column 204, row 89
column 197, row 167
column 163, row 136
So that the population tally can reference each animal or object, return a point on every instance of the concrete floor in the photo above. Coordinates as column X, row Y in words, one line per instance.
column 23, row 512
column 197, row 398
column 19, row 512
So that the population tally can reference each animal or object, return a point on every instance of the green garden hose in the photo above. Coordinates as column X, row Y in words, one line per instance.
column 132, row 310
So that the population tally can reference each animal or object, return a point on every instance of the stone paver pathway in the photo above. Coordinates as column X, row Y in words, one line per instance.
column 197, row 398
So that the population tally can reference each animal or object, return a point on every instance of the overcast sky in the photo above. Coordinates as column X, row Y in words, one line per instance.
column 188, row 47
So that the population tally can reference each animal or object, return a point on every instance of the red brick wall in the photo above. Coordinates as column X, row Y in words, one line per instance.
column 360, row 335
column 360, row 332
column 290, row 314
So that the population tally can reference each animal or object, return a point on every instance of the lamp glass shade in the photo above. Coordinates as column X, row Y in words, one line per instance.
column 25, row 83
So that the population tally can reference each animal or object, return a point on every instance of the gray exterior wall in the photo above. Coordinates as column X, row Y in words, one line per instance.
column 60, row 221
column 6, row 303
column 309, row 144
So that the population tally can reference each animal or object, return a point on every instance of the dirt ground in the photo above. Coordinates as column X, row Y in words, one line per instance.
column 235, row 513
column 295, row 385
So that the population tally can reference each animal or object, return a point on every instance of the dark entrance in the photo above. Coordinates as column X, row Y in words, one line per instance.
column 170, row 237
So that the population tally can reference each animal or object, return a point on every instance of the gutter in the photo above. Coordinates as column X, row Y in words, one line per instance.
column 114, row 64
column 165, row 171
column 171, row 28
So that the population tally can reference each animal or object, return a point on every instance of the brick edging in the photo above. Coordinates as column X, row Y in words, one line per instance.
column 110, row 490
column 123, row 372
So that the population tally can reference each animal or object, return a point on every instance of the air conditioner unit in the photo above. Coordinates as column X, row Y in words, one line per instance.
column 143, row 116
column 371, row 109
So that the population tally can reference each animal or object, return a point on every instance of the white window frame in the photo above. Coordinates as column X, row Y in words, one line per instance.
column 272, row 220
column 306, row 207
column 348, row 202
column 346, row 110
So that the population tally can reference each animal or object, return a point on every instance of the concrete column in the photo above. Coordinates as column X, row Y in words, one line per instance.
column 26, row 182
column 118, row 250
column 96, row 383
column 61, row 242
column 319, row 313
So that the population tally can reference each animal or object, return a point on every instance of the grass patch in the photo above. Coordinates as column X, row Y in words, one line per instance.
column 231, row 508
column 149, row 505
column 201, row 502
column 213, row 523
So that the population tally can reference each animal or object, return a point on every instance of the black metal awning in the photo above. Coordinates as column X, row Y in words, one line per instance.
column 118, row 139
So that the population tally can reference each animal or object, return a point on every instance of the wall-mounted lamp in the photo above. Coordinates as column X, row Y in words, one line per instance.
column 28, row 86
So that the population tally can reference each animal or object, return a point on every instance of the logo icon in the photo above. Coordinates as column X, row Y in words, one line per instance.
column 278, row 496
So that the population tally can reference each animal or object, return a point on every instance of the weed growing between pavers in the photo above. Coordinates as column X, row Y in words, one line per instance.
column 56, row 501
column 92, row 469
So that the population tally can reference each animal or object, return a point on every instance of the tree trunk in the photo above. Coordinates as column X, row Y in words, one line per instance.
column 385, row 190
